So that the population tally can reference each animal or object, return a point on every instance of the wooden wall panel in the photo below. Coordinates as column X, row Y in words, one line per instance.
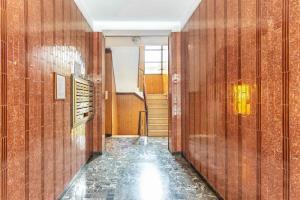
column 174, row 93
column 243, row 42
column 40, row 152
column 129, row 106
column 108, row 89
column 294, row 93
column 221, row 105
column 111, row 115
column 154, row 83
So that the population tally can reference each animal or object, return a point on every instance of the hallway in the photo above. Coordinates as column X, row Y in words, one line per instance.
column 138, row 168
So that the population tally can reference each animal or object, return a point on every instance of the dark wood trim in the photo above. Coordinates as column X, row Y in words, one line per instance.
column 226, row 95
column 26, row 20
column 240, row 136
column 54, row 108
column 258, row 111
column 215, row 91
column 108, row 50
column 206, row 84
column 4, row 79
column 285, row 99
column 42, row 106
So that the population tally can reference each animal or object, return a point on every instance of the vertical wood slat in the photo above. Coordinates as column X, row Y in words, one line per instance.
column 261, row 29
column 240, row 136
column 3, row 103
column 285, row 99
column 258, row 110
column 226, row 97
column 26, row 101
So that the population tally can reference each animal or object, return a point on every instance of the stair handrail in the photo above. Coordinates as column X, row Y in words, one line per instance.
column 146, row 105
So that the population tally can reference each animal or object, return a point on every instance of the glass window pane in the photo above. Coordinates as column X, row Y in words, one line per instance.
column 165, row 56
column 153, row 56
column 166, row 47
column 152, row 47
column 152, row 68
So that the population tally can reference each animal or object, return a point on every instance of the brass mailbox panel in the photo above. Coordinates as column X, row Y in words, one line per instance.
column 83, row 100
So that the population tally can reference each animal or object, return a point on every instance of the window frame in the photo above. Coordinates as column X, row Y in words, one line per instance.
column 161, row 50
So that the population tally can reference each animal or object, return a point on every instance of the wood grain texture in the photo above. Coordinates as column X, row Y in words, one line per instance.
column 242, row 42
column 40, row 152
column 129, row 106
column 111, row 111
column 154, row 83
column 174, row 93
column 108, row 89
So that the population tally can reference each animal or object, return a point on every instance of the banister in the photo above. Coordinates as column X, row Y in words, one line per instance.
column 146, row 105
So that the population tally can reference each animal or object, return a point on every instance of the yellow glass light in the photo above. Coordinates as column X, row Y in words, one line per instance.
column 241, row 98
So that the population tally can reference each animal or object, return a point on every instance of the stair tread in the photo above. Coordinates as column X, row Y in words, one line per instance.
column 158, row 125
column 158, row 118
column 158, row 130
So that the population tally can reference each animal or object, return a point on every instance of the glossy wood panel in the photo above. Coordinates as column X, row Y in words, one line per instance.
column 226, row 43
column 40, row 152
column 108, row 89
column 129, row 106
column 174, row 93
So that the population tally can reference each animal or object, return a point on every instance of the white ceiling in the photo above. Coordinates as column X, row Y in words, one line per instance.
column 132, row 15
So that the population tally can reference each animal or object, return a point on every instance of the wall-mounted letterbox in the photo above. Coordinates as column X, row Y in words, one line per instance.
column 83, row 100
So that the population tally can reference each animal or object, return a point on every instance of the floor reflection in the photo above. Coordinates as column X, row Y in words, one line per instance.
column 150, row 183
column 138, row 169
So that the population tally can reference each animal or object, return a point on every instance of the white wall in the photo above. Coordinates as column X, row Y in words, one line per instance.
column 125, row 54
column 128, row 41
column 125, row 63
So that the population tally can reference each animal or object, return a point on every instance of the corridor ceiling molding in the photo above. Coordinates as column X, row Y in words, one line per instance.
column 132, row 15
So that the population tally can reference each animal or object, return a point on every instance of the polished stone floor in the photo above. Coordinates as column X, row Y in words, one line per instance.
column 138, row 169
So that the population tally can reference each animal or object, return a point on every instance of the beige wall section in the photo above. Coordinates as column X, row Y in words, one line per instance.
column 129, row 106
column 154, row 83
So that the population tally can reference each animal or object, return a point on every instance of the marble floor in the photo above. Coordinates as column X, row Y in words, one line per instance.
column 138, row 169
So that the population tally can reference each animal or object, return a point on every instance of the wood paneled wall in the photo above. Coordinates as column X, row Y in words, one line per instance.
column 96, row 71
column 154, row 83
column 108, row 89
column 39, row 152
column 174, row 93
column 129, row 106
column 111, row 122
column 226, row 43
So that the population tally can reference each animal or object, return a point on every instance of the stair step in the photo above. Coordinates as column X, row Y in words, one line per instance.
column 158, row 115
column 158, row 127
column 157, row 101
column 158, row 120
column 157, row 96
column 158, row 133
column 158, row 106
column 158, row 111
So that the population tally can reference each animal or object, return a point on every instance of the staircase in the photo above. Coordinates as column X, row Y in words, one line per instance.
column 157, row 115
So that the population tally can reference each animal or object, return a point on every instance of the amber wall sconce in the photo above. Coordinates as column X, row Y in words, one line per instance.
column 241, row 98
